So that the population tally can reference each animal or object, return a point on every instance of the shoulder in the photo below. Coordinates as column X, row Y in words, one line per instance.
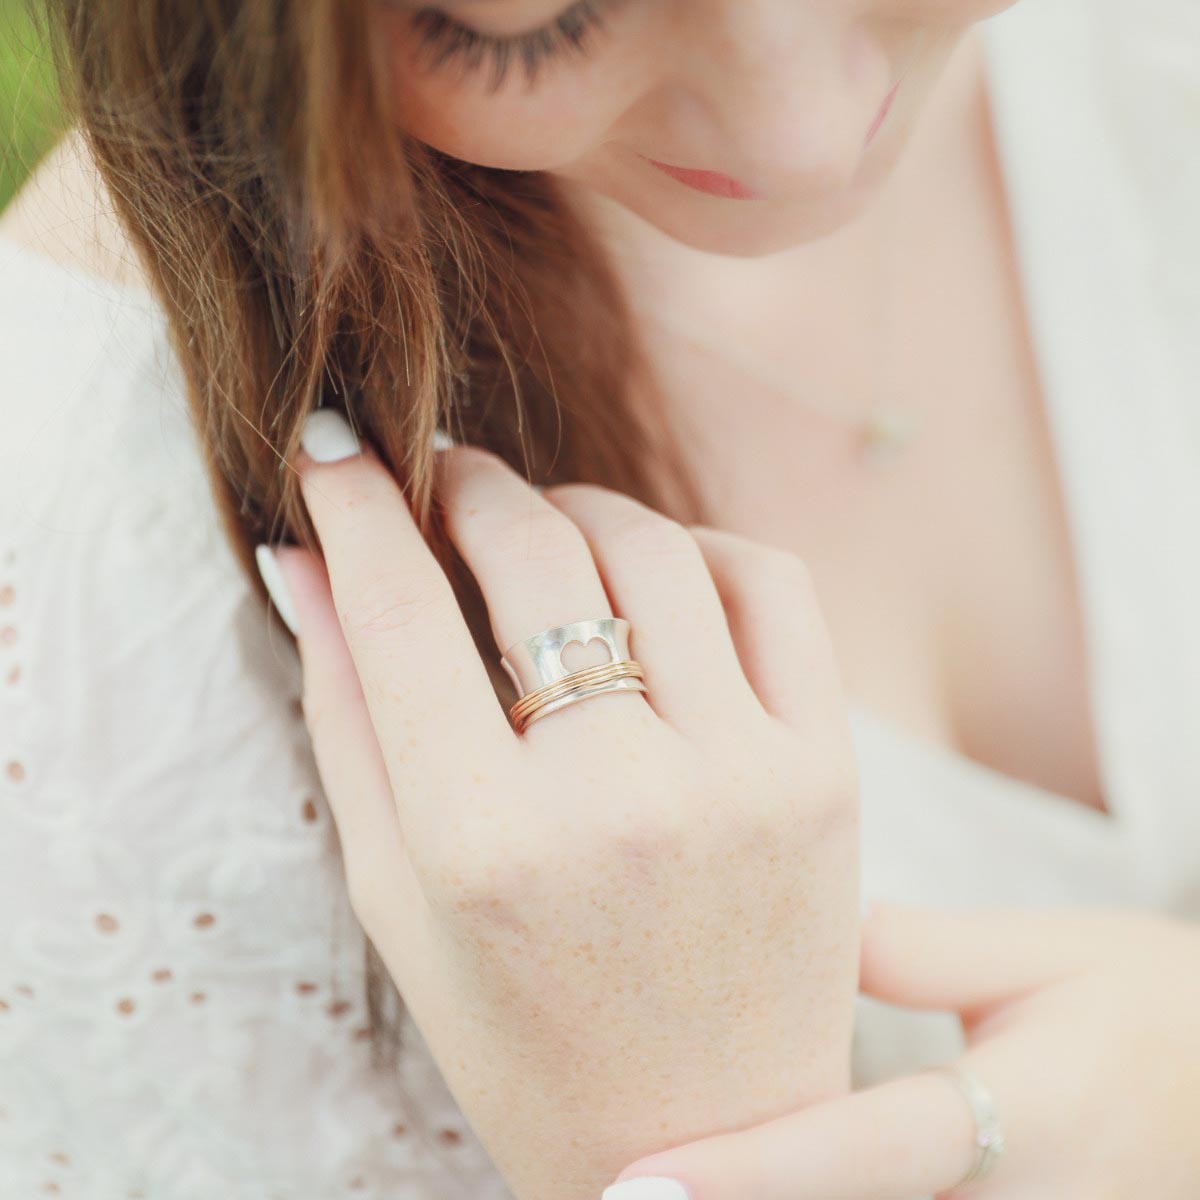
column 132, row 629
column 64, row 213
column 93, row 399
column 93, row 409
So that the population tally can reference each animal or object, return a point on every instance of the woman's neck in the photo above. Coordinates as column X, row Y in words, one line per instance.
column 823, row 319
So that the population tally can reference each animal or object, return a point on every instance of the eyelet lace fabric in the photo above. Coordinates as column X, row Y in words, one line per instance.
column 182, row 1011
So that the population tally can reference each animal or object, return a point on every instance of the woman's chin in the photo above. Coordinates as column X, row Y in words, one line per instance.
column 757, row 230
column 738, row 228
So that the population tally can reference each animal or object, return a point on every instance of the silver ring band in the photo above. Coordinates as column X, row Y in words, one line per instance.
column 544, row 685
column 537, row 661
column 989, row 1137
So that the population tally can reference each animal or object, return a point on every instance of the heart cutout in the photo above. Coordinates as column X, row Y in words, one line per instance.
column 578, row 656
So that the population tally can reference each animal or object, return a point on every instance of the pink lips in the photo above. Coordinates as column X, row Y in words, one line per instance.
column 711, row 182
column 883, row 112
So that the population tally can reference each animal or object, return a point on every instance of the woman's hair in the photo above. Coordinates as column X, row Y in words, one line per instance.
column 307, row 251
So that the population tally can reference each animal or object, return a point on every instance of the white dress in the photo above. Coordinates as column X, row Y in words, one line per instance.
column 180, row 989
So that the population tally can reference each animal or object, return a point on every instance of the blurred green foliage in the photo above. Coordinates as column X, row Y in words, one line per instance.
column 29, row 116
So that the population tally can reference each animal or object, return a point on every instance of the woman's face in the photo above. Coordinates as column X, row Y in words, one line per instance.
column 734, row 126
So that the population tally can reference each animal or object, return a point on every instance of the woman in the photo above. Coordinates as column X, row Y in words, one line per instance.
column 739, row 286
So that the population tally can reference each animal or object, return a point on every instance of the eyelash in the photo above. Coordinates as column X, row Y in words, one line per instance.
column 447, row 39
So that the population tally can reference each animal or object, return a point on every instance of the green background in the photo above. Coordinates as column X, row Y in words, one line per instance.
column 29, row 119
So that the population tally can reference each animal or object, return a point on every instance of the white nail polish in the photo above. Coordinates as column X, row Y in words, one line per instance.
column 276, row 585
column 442, row 440
column 327, row 436
column 646, row 1187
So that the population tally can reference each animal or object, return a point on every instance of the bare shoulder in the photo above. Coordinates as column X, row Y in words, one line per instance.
column 64, row 211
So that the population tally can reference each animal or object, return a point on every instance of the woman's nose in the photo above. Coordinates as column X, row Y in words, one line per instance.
column 788, row 89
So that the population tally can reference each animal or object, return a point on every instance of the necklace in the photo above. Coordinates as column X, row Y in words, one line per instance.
column 880, row 430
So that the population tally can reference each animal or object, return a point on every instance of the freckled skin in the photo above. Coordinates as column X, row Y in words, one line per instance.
column 640, row 977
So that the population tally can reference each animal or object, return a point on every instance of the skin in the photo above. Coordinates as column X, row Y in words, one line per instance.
column 1081, row 1024
column 479, row 927
column 777, row 94
column 637, row 920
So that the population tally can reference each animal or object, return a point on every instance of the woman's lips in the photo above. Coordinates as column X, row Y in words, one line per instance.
column 883, row 112
column 711, row 182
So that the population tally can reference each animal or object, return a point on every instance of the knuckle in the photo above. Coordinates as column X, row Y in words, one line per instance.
column 541, row 535
column 791, row 791
column 652, row 828
column 828, row 798
column 383, row 607
column 786, row 569
column 750, row 820
column 646, row 534
column 462, row 466
column 767, row 558
column 488, row 890
column 469, row 869
column 837, row 796
column 645, row 830
column 487, row 883
column 466, row 456
column 575, row 487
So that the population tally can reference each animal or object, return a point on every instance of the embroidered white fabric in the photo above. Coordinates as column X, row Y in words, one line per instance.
column 181, row 1005
column 182, row 992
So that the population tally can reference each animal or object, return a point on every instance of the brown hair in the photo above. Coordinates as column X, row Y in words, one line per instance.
column 306, row 251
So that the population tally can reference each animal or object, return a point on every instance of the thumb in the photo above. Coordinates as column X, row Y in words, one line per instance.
column 926, row 958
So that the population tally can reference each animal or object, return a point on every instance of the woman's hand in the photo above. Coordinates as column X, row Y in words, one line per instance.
column 1084, row 1026
column 637, row 922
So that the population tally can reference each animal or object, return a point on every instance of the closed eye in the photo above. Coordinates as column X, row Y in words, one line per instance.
column 446, row 40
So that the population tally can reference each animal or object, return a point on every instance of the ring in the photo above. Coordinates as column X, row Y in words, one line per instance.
column 989, row 1138
column 543, row 684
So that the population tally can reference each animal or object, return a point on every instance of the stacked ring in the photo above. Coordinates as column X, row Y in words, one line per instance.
column 543, row 684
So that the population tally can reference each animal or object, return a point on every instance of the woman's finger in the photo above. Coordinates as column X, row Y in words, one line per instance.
column 971, row 961
column 906, row 1137
column 779, row 631
column 422, row 678
column 533, row 566
column 658, row 579
column 344, row 744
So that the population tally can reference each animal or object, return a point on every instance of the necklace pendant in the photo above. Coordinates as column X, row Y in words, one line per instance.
column 885, row 431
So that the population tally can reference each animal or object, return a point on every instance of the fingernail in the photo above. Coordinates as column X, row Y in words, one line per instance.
column 646, row 1187
column 327, row 436
column 442, row 440
column 272, row 577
